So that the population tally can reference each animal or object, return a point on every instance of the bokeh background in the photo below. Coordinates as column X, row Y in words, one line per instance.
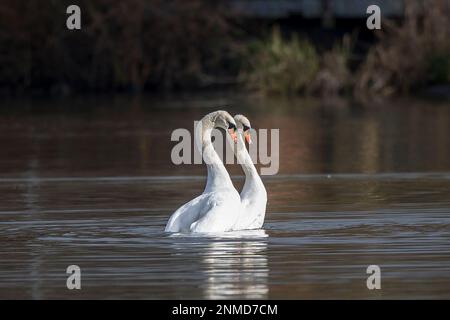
column 86, row 118
column 288, row 47
column 139, row 69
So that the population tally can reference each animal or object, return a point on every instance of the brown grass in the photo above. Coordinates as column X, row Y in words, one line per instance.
column 122, row 44
column 411, row 54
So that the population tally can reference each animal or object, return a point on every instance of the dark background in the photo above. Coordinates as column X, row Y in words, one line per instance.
column 171, row 46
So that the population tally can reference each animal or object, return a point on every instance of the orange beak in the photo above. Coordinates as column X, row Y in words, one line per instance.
column 233, row 135
column 248, row 137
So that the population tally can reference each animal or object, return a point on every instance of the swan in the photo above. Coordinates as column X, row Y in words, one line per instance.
column 253, row 194
column 218, row 207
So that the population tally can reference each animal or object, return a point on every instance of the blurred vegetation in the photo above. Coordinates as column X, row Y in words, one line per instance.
column 137, row 44
column 334, row 76
column 293, row 66
column 189, row 45
column 280, row 66
column 411, row 54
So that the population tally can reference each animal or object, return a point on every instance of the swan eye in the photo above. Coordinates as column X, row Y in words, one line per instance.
column 246, row 128
column 231, row 126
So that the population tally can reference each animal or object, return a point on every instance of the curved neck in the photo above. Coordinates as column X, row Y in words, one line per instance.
column 244, row 158
column 218, row 176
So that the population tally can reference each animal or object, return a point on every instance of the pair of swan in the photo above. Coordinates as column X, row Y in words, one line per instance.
column 220, row 207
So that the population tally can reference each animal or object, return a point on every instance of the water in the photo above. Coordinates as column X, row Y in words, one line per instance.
column 90, row 182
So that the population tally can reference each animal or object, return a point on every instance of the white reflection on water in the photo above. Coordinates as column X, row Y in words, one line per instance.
column 235, row 264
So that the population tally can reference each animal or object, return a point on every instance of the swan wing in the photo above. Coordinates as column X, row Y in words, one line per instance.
column 253, row 210
column 183, row 217
column 219, row 213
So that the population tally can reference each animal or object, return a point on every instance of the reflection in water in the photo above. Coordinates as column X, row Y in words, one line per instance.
column 95, row 186
column 237, row 268
column 233, row 264
column 133, row 138
column 31, row 202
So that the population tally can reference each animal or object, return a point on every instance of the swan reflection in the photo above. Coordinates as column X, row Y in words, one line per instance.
column 236, row 266
column 231, row 264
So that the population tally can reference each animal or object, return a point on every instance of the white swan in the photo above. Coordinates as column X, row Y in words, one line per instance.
column 218, row 207
column 253, row 194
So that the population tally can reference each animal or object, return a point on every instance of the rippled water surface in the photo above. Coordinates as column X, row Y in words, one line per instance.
column 90, row 182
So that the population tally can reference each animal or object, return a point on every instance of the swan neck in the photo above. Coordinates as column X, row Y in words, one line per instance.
column 244, row 158
column 218, row 176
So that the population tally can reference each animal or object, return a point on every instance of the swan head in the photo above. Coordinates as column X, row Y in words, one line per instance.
column 222, row 119
column 243, row 123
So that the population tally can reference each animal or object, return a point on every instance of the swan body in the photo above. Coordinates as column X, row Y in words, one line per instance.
column 253, row 194
column 218, row 207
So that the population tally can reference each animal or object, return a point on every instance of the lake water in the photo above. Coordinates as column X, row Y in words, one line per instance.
column 89, row 182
